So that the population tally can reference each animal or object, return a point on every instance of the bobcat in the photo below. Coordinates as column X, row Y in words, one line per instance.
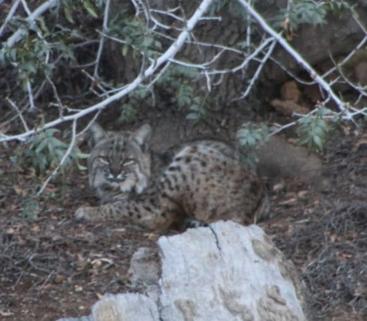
column 205, row 181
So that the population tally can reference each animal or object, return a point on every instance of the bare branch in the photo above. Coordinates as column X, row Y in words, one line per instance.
column 139, row 6
column 26, row 8
column 295, row 55
column 30, row 97
column 101, row 41
column 10, row 15
column 259, row 69
column 19, row 113
column 291, row 74
column 20, row 33
column 245, row 62
column 60, row 105
column 350, row 55
column 155, row 66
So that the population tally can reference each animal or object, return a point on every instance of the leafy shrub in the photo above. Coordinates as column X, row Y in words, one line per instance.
column 178, row 82
column 135, row 35
column 31, row 58
column 312, row 12
column 313, row 130
column 30, row 208
column 250, row 137
column 46, row 152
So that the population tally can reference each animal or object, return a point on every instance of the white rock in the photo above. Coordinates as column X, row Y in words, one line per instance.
column 125, row 307
column 224, row 272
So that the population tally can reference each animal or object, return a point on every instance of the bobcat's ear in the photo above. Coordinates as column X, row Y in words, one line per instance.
column 96, row 134
column 143, row 134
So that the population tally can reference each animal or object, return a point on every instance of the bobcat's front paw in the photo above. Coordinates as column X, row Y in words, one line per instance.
column 86, row 213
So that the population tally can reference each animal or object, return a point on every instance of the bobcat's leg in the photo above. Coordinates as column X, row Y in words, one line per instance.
column 143, row 213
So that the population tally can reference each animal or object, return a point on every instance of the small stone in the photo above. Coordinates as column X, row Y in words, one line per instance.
column 78, row 288
column 278, row 187
column 302, row 194
column 360, row 73
column 290, row 91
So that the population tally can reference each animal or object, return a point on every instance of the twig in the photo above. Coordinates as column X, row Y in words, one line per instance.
column 202, row 43
column 47, row 279
column 139, row 5
column 291, row 74
column 63, row 159
column 12, row 103
column 96, row 83
column 360, row 89
column 248, row 32
column 84, row 130
column 159, row 74
column 280, row 128
column 257, row 51
column 168, row 13
column 60, row 105
column 101, row 41
column 258, row 70
column 33, row 265
column 26, row 8
column 160, row 24
column 30, row 97
column 360, row 45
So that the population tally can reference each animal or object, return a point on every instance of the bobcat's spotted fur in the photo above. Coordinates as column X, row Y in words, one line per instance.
column 204, row 181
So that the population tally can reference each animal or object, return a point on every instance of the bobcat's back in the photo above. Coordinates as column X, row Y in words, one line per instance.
column 206, row 180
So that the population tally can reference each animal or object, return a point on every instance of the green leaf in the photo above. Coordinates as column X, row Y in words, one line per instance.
column 81, row 167
column 318, row 142
column 41, row 146
column 90, row 8
column 193, row 116
column 68, row 15
column 124, row 50
column 81, row 155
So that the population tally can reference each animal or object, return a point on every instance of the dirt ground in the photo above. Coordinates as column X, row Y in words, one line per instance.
column 52, row 266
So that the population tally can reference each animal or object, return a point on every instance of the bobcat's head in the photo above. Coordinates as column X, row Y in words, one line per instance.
column 120, row 162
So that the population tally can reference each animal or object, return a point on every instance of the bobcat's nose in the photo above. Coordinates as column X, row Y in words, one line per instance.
column 115, row 170
column 116, row 178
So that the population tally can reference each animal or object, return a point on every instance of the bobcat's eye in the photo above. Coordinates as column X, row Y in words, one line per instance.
column 128, row 162
column 122, row 176
column 104, row 161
